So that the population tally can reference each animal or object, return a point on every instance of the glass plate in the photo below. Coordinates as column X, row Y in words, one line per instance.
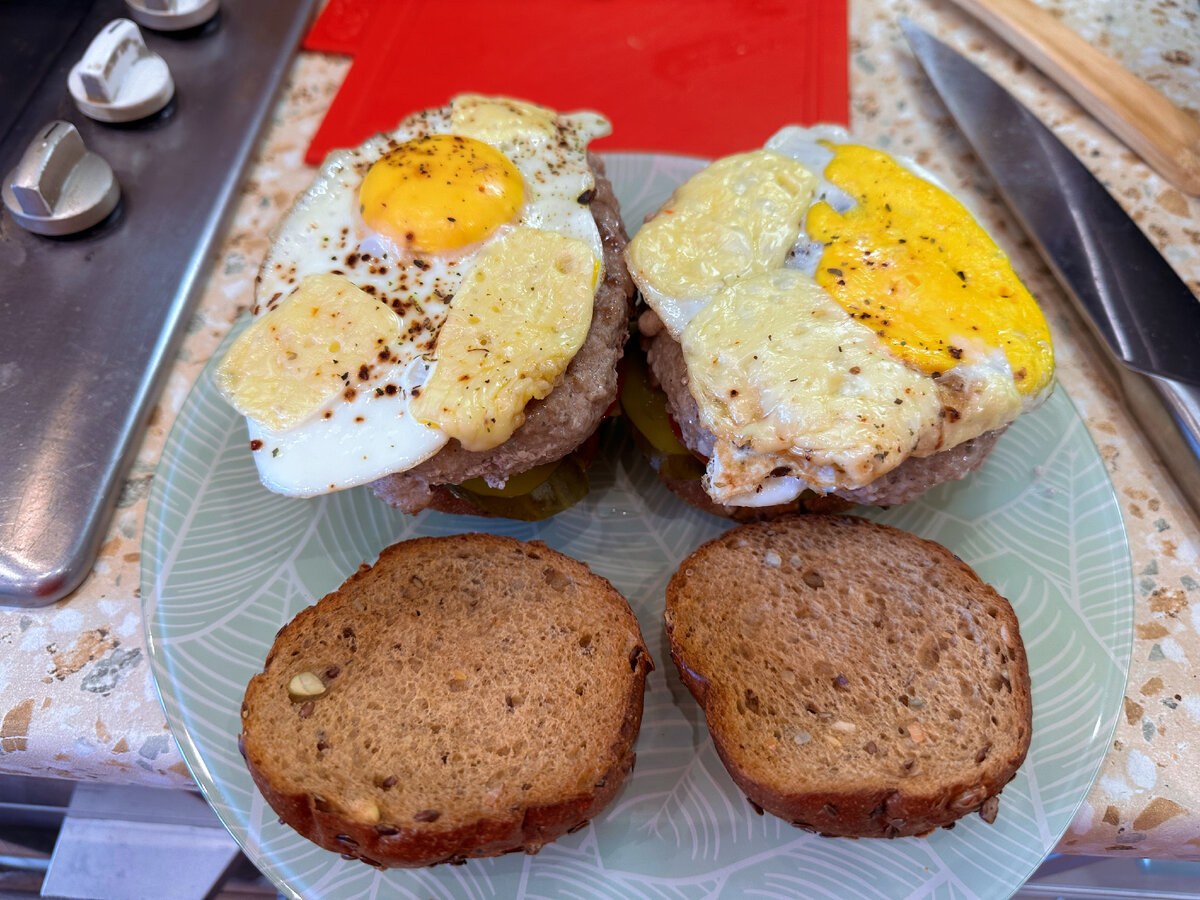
column 226, row 563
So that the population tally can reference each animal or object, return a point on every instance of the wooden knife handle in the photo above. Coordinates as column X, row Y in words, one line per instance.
column 1146, row 121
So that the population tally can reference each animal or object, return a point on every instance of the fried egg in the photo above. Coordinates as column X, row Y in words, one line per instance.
column 839, row 312
column 426, row 287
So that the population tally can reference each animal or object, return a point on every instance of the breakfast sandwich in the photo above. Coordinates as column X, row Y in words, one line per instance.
column 441, row 316
column 829, row 327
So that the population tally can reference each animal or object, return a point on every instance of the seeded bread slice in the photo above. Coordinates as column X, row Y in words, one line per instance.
column 857, row 680
column 466, row 696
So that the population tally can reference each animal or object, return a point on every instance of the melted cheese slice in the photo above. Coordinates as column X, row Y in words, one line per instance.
column 738, row 217
column 785, row 379
column 289, row 363
column 518, row 319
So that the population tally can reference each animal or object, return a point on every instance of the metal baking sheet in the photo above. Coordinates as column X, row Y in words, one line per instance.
column 89, row 323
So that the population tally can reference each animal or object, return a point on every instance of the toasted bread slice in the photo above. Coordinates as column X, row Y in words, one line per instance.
column 465, row 696
column 857, row 680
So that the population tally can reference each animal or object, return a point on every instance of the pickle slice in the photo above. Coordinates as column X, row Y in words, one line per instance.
column 645, row 406
column 517, row 485
column 678, row 466
column 564, row 485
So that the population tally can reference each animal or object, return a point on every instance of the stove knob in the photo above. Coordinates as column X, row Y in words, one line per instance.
column 172, row 15
column 119, row 79
column 59, row 187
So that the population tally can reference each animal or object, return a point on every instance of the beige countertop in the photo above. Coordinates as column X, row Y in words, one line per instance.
column 77, row 699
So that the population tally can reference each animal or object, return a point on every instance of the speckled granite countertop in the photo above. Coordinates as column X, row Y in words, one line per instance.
column 76, row 695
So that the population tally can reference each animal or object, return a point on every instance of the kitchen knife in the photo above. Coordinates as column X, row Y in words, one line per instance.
column 1140, row 309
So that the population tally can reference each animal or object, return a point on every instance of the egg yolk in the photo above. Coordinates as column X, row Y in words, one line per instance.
column 910, row 262
column 440, row 192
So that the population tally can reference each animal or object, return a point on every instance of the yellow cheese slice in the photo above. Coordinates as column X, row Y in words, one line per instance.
column 518, row 319
column 291, row 361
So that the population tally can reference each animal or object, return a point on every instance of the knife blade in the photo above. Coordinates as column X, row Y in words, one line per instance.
column 1137, row 305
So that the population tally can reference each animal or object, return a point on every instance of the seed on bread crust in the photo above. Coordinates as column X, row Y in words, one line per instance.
column 906, row 674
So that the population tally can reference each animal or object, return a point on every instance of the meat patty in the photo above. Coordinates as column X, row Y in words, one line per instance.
column 908, row 480
column 567, row 416
column 918, row 474
column 668, row 367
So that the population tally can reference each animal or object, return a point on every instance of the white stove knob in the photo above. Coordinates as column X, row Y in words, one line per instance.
column 119, row 79
column 172, row 15
column 60, row 187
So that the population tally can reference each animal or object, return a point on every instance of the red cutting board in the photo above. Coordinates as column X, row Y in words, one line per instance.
column 698, row 77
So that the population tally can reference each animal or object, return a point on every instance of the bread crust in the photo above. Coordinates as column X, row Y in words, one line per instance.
column 330, row 822
column 864, row 805
column 415, row 847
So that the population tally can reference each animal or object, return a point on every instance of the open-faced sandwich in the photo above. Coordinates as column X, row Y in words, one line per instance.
column 441, row 315
column 829, row 327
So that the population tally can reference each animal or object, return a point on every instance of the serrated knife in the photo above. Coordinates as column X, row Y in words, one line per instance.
column 1137, row 305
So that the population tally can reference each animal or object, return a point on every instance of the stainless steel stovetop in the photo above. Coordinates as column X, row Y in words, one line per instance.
column 89, row 323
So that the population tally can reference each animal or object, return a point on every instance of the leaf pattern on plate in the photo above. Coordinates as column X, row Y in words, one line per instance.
column 226, row 563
